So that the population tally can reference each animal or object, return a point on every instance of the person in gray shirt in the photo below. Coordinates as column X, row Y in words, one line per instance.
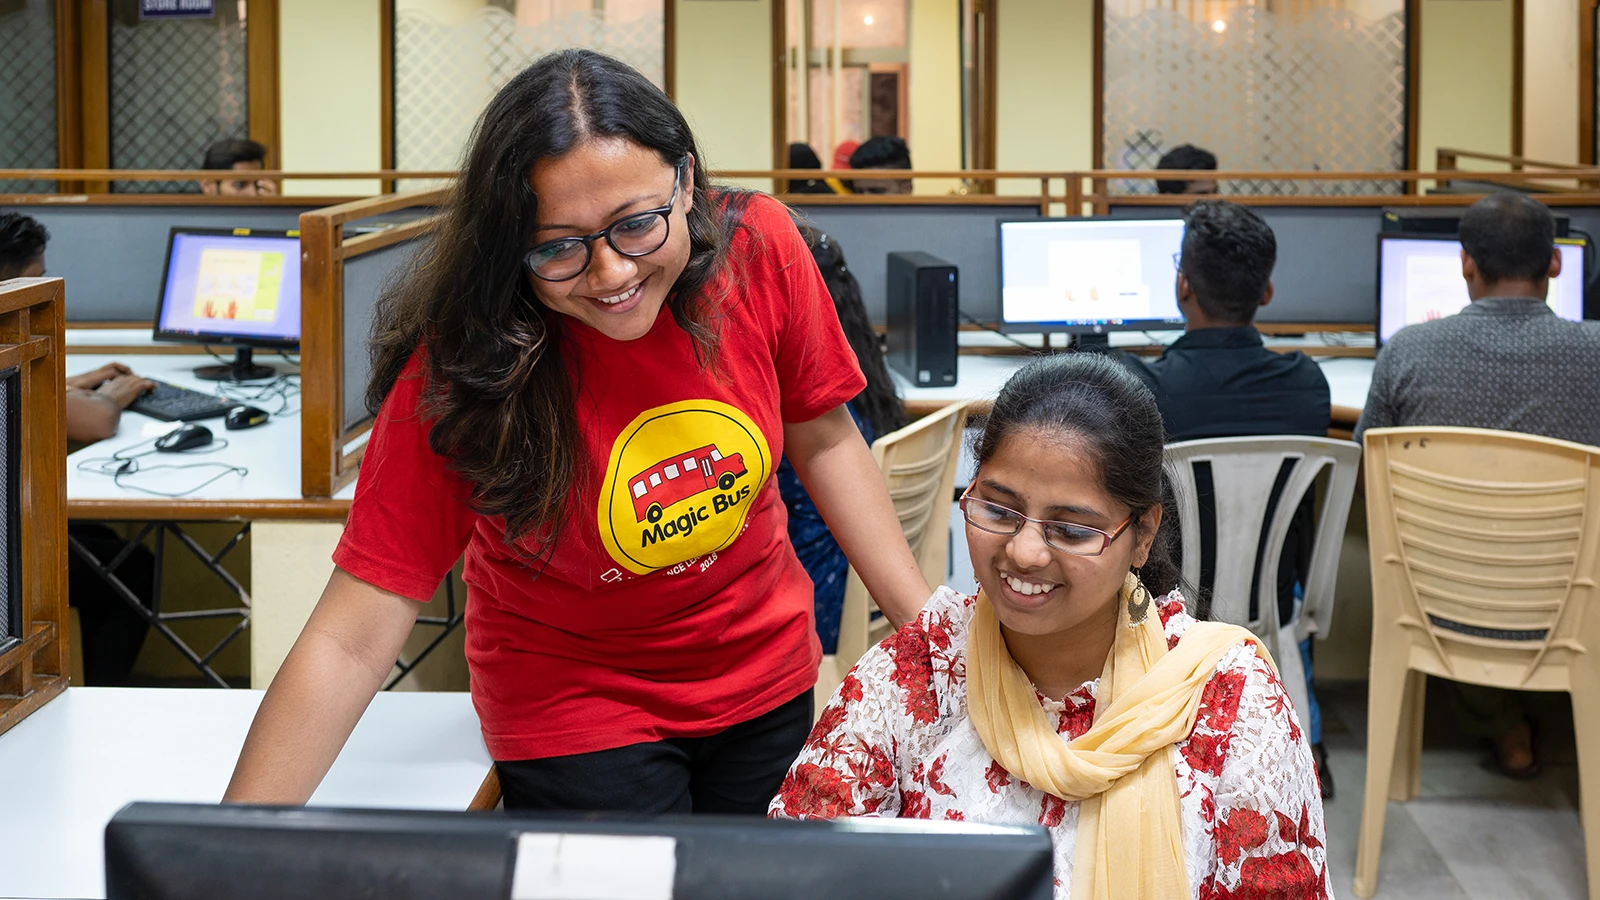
column 1505, row 362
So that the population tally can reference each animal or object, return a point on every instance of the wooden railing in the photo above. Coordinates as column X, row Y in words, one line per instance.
column 1585, row 177
column 33, row 660
column 1074, row 192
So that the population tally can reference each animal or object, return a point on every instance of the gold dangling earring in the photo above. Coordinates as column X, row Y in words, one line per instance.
column 1138, row 602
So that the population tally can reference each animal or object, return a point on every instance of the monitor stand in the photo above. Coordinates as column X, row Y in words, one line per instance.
column 1091, row 343
column 243, row 368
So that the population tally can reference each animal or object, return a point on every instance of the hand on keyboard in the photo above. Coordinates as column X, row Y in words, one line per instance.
column 124, row 389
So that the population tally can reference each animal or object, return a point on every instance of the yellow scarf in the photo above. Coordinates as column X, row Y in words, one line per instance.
column 1130, row 835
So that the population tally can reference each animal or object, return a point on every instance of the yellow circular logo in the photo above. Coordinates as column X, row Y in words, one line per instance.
column 679, row 483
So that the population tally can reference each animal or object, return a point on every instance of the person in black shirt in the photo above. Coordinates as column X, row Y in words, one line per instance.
column 1220, row 380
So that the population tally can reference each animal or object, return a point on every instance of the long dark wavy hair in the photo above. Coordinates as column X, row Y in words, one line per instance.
column 877, row 403
column 497, row 389
column 1099, row 402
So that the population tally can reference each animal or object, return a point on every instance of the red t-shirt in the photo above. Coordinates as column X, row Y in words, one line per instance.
column 673, row 604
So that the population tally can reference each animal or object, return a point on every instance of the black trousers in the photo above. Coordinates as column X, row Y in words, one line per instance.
column 732, row 772
column 112, row 631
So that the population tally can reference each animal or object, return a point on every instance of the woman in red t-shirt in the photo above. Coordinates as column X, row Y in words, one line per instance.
column 584, row 386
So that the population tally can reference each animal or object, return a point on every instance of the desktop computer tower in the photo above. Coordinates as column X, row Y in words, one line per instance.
column 923, row 306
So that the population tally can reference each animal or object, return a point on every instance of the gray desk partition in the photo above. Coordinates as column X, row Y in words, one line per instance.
column 966, row 235
column 1327, row 261
column 1328, row 258
column 366, row 277
column 112, row 255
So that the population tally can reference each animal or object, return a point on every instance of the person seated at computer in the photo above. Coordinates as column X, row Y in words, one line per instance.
column 1505, row 362
column 1187, row 156
column 112, row 631
column 95, row 400
column 801, row 156
column 881, row 152
column 1219, row 380
column 1073, row 691
column 877, row 410
column 240, row 156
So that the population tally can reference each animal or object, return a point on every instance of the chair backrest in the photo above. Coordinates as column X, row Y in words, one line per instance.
column 1484, row 548
column 1243, row 473
column 919, row 465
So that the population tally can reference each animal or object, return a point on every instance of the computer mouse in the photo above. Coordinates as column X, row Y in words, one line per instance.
column 184, row 437
column 241, row 417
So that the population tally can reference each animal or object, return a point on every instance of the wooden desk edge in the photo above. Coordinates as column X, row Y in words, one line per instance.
column 208, row 510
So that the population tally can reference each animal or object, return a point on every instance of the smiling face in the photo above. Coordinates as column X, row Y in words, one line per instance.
column 1035, row 588
column 593, row 185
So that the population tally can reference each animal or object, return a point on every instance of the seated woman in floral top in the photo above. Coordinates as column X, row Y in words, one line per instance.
column 1162, row 753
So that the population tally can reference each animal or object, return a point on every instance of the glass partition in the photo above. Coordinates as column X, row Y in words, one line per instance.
column 451, row 56
column 27, row 91
column 1263, row 84
column 848, row 73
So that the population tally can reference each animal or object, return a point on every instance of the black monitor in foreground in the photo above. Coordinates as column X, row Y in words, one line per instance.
column 159, row 851
column 233, row 286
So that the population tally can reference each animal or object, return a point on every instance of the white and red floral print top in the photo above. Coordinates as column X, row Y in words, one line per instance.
column 896, row 741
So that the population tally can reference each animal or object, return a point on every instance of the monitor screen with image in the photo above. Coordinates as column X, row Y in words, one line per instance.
column 1419, row 280
column 1089, row 275
column 239, row 287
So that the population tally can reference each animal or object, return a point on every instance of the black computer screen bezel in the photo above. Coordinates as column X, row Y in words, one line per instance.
column 239, row 340
column 1377, row 286
column 1052, row 328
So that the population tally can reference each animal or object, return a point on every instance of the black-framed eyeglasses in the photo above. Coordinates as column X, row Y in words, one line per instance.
column 1177, row 261
column 1078, row 540
column 640, row 234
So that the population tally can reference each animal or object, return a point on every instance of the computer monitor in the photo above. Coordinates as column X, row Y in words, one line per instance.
column 160, row 851
column 237, row 286
column 1089, row 276
column 1419, row 280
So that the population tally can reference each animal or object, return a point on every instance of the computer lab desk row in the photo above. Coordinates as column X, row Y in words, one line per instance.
column 291, row 538
column 979, row 378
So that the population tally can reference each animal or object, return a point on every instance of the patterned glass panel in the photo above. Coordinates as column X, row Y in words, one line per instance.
column 447, row 66
column 27, row 91
column 177, row 85
column 1263, row 84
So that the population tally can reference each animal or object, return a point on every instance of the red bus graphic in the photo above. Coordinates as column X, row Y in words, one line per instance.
column 680, row 477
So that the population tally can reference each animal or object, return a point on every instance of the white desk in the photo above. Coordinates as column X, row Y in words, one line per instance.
column 981, row 377
column 89, row 752
column 292, row 538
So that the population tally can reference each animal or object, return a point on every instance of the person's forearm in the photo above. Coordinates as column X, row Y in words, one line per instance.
column 91, row 417
column 321, row 691
column 848, row 490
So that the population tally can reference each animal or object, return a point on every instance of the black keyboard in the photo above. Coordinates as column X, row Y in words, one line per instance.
column 176, row 404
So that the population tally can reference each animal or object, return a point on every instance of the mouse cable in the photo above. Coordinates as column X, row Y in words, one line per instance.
column 131, row 468
column 111, row 465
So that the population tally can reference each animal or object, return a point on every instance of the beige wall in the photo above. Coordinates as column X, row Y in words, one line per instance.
column 1550, row 81
column 1465, row 92
column 724, row 80
column 329, row 92
column 935, row 90
column 1045, row 103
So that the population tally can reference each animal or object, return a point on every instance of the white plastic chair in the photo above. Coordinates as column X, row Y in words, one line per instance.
column 1243, row 471
column 919, row 465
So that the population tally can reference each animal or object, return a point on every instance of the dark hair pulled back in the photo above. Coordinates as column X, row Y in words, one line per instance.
column 497, row 388
column 878, row 402
column 1100, row 403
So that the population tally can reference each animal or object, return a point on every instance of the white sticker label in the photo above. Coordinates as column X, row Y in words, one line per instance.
column 594, row 867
